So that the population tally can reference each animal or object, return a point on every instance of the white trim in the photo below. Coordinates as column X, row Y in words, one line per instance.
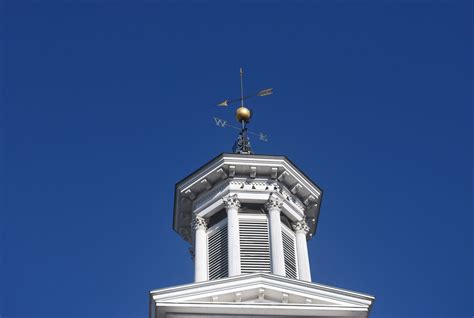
column 321, row 300
column 215, row 204
column 267, row 310
column 255, row 161
column 268, row 280
column 202, row 197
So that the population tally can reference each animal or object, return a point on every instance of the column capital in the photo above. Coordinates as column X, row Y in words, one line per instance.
column 300, row 226
column 198, row 223
column 273, row 202
column 231, row 201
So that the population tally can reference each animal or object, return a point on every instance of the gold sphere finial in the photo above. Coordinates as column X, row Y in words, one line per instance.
column 243, row 114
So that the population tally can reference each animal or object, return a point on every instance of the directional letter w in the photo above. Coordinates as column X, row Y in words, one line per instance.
column 220, row 122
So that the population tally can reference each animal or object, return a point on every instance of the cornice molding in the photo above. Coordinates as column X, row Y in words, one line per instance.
column 252, row 178
column 259, row 280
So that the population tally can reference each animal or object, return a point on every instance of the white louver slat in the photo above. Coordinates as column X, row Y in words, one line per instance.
column 217, row 248
column 254, row 244
column 289, row 250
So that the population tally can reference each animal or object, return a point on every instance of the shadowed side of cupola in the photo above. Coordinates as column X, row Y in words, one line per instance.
column 247, row 213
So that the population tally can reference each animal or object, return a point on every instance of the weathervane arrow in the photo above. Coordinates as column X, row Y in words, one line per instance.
column 262, row 93
column 243, row 115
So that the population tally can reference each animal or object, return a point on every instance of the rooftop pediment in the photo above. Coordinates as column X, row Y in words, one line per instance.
column 258, row 172
column 263, row 294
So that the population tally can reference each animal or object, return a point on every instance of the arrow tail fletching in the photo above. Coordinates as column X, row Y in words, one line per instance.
column 265, row 92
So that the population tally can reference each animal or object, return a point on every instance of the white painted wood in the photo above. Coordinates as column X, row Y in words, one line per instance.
column 210, row 202
column 251, row 239
column 218, row 265
column 232, row 205
column 301, row 230
column 254, row 243
column 281, row 297
column 289, row 250
column 191, row 191
column 276, row 242
column 200, row 256
column 200, row 249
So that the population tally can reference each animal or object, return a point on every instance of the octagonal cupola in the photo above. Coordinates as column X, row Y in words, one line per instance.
column 245, row 213
column 248, row 218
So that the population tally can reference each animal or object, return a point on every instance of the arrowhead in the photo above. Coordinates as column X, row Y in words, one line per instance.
column 224, row 103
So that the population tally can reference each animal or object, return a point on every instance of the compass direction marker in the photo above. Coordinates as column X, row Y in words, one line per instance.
column 243, row 115
column 224, row 123
column 220, row 122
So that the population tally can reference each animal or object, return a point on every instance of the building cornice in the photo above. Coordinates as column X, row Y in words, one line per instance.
column 283, row 294
column 257, row 173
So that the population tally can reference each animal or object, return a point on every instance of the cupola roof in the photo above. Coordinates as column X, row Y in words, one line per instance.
column 294, row 186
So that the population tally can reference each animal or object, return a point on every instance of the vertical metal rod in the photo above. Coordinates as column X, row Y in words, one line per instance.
column 241, row 87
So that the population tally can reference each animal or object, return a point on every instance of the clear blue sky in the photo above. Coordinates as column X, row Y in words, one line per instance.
column 105, row 105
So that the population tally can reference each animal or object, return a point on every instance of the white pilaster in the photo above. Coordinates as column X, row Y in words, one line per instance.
column 199, row 226
column 232, row 205
column 301, row 229
column 273, row 206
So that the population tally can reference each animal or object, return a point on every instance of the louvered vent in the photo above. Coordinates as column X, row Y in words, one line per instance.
column 217, row 247
column 289, row 252
column 254, row 244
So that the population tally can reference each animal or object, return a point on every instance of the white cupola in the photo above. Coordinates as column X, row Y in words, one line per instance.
column 245, row 213
column 248, row 218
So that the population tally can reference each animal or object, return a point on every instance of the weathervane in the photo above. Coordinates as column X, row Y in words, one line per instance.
column 243, row 115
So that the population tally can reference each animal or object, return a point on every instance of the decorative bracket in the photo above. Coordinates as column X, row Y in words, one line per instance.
column 206, row 184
